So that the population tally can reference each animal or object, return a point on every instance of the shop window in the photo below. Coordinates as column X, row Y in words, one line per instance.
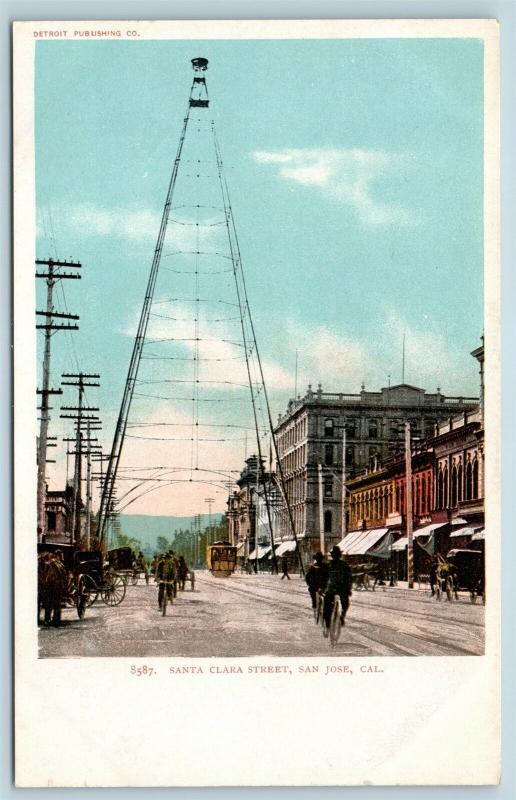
column 51, row 520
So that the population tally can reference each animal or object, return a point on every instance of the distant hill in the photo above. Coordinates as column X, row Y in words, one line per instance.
column 147, row 528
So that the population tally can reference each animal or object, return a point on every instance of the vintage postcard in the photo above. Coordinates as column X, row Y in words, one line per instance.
column 257, row 403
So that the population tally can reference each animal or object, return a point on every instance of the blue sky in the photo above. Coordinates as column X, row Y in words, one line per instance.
column 355, row 172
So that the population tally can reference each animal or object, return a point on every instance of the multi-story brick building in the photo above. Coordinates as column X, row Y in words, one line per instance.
column 311, row 433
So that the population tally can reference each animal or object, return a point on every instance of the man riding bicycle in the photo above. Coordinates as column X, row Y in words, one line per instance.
column 317, row 577
column 166, row 575
column 339, row 583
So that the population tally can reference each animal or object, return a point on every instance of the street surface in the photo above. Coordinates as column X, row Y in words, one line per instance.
column 252, row 615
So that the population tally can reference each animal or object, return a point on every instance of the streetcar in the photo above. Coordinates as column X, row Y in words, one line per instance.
column 221, row 558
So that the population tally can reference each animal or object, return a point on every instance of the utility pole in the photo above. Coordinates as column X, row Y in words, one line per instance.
column 210, row 502
column 343, row 485
column 408, row 495
column 321, row 508
column 80, row 413
column 51, row 275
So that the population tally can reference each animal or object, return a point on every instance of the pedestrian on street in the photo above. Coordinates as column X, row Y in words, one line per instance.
column 339, row 582
column 183, row 572
column 317, row 577
column 284, row 567
column 56, row 585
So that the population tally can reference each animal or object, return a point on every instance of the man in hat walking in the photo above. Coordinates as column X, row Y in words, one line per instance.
column 339, row 582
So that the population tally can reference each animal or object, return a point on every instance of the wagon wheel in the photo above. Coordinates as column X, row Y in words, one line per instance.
column 81, row 597
column 113, row 592
column 134, row 578
column 90, row 589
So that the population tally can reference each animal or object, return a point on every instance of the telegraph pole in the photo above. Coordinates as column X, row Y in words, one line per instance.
column 343, row 484
column 408, row 495
column 51, row 275
column 321, row 508
column 210, row 502
column 80, row 380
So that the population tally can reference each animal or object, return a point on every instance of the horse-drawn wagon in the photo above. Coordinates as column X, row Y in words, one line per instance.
column 101, row 579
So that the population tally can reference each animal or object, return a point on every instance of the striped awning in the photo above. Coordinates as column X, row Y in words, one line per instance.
column 262, row 551
column 286, row 547
column 466, row 531
column 357, row 543
column 400, row 544
column 428, row 529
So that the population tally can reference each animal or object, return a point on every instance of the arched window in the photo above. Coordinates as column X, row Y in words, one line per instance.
column 328, row 455
column 440, row 490
column 445, row 487
column 460, row 483
column 328, row 428
column 454, row 486
column 327, row 521
column 418, row 497
column 328, row 487
column 424, row 507
column 469, row 481
column 475, row 479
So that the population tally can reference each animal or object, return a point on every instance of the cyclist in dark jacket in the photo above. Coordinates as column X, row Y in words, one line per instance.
column 339, row 582
column 166, row 575
column 317, row 577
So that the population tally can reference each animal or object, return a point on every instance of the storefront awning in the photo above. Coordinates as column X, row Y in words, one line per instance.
column 262, row 551
column 400, row 544
column 286, row 547
column 353, row 545
column 467, row 531
column 479, row 536
column 428, row 529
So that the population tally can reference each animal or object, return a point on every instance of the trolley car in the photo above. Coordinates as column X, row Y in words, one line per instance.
column 221, row 558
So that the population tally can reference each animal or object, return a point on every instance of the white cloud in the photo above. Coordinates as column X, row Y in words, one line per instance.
column 346, row 175
column 137, row 225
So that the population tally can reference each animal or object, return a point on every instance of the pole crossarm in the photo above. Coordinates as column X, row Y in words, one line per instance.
column 57, row 327
column 56, row 263
column 55, row 277
column 56, row 314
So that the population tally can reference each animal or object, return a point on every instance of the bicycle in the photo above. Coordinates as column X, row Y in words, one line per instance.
column 335, row 621
column 334, row 628
column 318, row 608
column 165, row 597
